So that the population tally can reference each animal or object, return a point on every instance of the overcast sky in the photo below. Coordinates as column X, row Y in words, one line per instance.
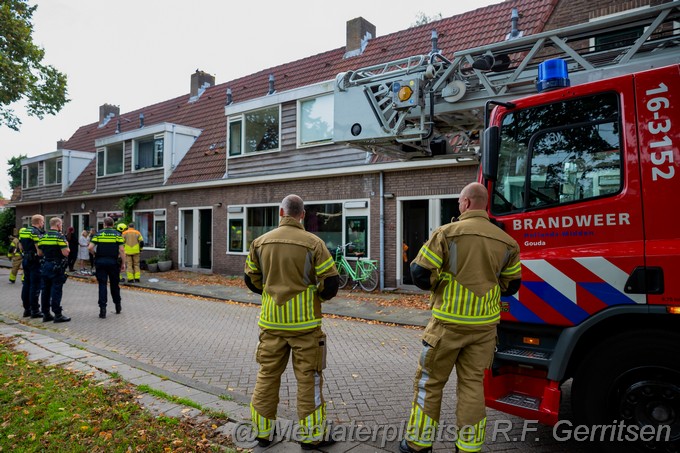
column 134, row 53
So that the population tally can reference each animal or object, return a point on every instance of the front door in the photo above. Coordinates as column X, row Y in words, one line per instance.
column 196, row 238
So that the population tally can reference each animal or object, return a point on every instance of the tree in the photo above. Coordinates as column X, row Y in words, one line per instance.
column 422, row 19
column 23, row 77
column 14, row 170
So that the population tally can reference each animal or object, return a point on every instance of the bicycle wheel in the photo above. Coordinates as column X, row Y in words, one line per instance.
column 342, row 273
column 369, row 277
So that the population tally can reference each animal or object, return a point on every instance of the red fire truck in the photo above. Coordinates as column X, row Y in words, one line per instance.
column 584, row 176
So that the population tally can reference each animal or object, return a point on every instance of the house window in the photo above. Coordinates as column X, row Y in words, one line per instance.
column 29, row 176
column 110, row 160
column 255, row 131
column 149, row 152
column 53, row 171
column 259, row 221
column 617, row 39
column 235, row 138
column 325, row 220
column 356, row 232
column 316, row 120
column 236, row 235
column 151, row 224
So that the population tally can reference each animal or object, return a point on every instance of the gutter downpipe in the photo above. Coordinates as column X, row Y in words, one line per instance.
column 382, row 233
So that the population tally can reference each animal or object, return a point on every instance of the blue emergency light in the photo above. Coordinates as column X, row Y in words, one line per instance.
column 552, row 74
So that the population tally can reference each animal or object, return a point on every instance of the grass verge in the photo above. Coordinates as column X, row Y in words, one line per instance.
column 50, row 409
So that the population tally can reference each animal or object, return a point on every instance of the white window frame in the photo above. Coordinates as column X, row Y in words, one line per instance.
column 57, row 169
column 301, row 125
column 159, row 215
column 105, row 150
column 155, row 158
column 241, row 117
column 25, row 175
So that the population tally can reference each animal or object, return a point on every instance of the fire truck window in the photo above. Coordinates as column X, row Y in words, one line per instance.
column 544, row 162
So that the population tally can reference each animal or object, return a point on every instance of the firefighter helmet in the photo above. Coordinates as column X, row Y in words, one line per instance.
column 120, row 227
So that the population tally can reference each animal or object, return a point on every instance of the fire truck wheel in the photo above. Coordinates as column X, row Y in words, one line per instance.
column 632, row 380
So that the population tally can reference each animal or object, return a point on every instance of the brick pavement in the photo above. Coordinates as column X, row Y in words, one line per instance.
column 209, row 345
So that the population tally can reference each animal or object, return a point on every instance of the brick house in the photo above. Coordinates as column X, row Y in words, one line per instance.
column 206, row 171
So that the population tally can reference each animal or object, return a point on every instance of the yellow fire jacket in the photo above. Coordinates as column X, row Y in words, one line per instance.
column 134, row 242
column 471, row 262
column 289, row 264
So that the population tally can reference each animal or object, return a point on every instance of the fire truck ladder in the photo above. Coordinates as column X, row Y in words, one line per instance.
column 452, row 93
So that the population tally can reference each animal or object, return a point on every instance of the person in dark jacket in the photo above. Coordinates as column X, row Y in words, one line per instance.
column 54, row 251
column 107, row 246
column 72, row 240
column 28, row 243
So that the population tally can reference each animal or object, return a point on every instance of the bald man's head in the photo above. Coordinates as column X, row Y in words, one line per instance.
column 473, row 196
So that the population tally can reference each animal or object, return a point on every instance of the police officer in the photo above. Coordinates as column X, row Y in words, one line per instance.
column 15, row 256
column 467, row 265
column 54, row 250
column 28, row 242
column 294, row 272
column 109, row 250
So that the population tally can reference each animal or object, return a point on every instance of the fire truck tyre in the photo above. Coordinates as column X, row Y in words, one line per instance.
column 342, row 273
column 631, row 379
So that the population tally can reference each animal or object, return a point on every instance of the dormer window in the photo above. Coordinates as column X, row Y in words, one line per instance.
column 29, row 176
column 255, row 131
column 149, row 152
column 53, row 171
column 110, row 160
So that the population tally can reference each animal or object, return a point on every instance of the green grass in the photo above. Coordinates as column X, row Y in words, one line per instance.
column 51, row 409
column 183, row 401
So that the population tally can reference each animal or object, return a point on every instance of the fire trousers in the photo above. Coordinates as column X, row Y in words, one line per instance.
column 132, row 267
column 16, row 265
column 309, row 359
column 445, row 345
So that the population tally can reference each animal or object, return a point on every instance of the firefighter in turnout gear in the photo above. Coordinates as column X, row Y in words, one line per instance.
column 468, row 265
column 54, row 250
column 15, row 257
column 28, row 242
column 294, row 272
column 134, row 243
column 109, row 254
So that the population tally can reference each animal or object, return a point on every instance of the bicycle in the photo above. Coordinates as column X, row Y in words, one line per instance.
column 364, row 274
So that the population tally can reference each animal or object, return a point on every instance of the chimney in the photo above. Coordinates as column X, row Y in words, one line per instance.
column 359, row 31
column 106, row 112
column 200, row 81
column 61, row 144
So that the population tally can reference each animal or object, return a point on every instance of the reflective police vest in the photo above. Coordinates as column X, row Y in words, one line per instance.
column 107, row 242
column 29, row 237
column 51, row 245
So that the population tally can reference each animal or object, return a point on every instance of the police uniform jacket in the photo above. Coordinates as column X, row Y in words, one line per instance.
column 289, row 264
column 471, row 262
column 51, row 244
column 29, row 238
column 108, row 242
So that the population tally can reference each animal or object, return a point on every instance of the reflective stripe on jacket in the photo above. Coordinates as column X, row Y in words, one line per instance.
column 473, row 261
column 51, row 245
column 132, row 240
column 29, row 237
column 288, row 263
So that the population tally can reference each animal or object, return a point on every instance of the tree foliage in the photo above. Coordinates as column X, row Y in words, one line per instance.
column 422, row 19
column 14, row 170
column 23, row 76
